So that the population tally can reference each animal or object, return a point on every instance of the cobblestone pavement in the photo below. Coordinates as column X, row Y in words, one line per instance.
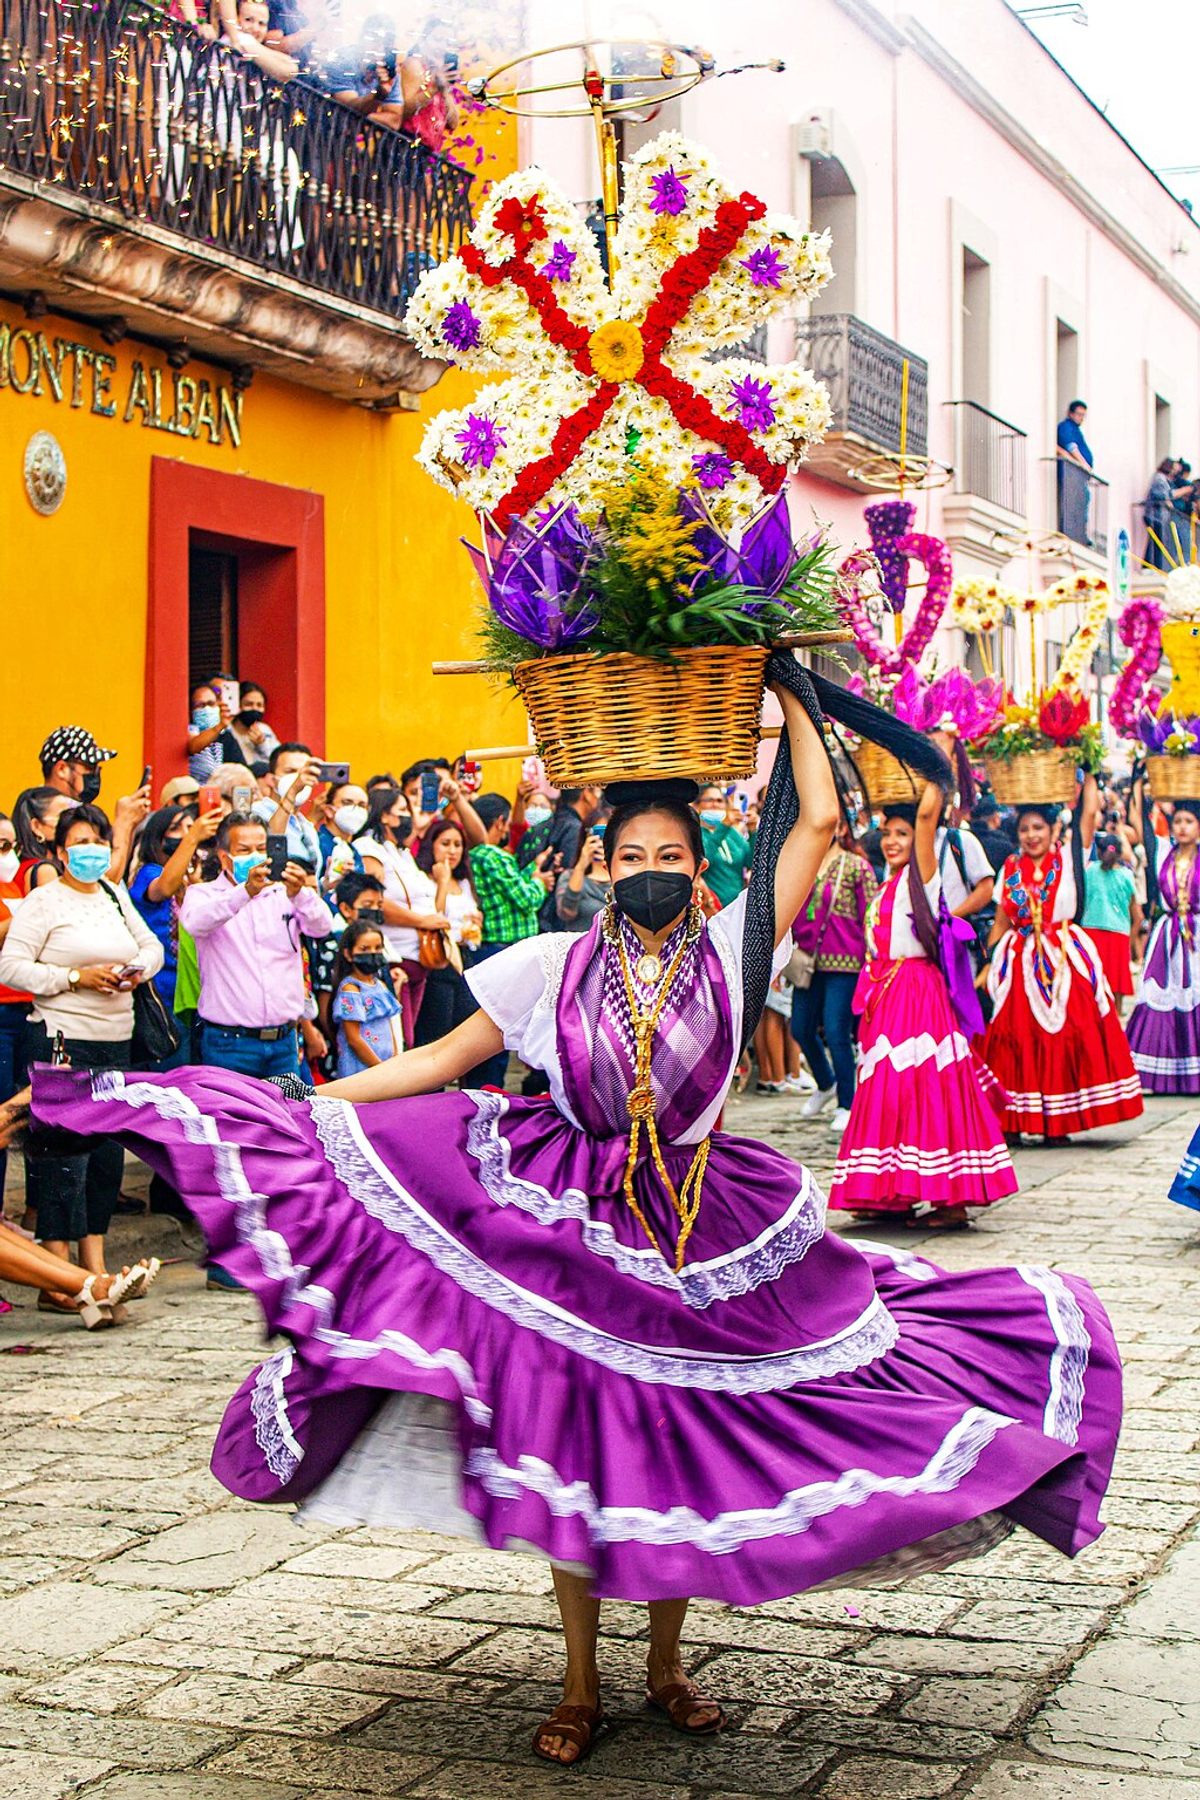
column 160, row 1640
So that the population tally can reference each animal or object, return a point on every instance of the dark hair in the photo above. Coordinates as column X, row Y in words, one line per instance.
column 151, row 847
column 229, row 824
column 433, row 833
column 1077, row 403
column 490, row 807
column 1187, row 806
column 353, row 885
column 32, row 803
column 1108, row 850
column 679, row 810
column 252, row 687
column 901, row 809
column 1049, row 815
column 426, row 766
column 382, row 801
column 355, row 931
column 1167, row 465
column 283, row 750
column 375, row 781
column 95, row 816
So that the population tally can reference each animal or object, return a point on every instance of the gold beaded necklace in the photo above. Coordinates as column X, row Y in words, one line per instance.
column 641, row 1104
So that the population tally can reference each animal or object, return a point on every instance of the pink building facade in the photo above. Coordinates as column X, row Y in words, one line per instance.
column 988, row 223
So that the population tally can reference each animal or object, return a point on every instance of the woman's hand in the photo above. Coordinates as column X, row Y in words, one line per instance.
column 433, row 922
column 100, row 978
column 206, row 826
column 14, row 1116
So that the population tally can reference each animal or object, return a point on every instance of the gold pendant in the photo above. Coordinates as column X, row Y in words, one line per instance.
column 648, row 970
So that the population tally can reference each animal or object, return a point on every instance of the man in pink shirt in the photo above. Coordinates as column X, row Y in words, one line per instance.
column 247, row 928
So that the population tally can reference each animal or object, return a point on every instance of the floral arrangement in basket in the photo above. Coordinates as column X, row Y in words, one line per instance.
column 631, row 487
column 1163, row 723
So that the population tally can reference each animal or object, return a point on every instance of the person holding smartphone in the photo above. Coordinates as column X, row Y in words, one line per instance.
column 583, row 891
column 79, row 946
column 247, row 927
column 292, row 780
column 210, row 718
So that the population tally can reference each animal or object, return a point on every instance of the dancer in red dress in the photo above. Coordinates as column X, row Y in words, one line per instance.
column 1055, row 1043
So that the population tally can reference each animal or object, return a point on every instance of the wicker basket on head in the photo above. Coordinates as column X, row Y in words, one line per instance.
column 886, row 779
column 627, row 718
column 1174, row 777
column 1039, row 778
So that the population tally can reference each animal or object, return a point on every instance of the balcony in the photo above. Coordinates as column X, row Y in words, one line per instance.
column 162, row 185
column 864, row 373
column 985, row 517
column 1076, row 502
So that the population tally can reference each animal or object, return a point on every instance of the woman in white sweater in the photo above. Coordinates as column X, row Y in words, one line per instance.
column 80, row 948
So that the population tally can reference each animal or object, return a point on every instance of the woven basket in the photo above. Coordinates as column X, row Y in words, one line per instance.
column 628, row 718
column 1174, row 777
column 1039, row 778
column 886, row 779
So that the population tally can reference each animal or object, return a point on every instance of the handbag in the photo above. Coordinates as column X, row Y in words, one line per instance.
column 801, row 965
column 431, row 948
column 155, row 1033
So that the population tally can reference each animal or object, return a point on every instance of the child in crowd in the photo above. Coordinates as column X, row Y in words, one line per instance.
column 1112, row 916
column 365, row 1009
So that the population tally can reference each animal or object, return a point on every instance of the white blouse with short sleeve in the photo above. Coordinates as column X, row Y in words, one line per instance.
column 518, row 989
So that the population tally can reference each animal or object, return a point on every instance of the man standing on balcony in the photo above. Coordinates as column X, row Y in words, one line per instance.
column 1074, row 481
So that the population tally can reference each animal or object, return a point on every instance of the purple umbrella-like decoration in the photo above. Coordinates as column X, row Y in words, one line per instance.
column 760, row 563
column 887, row 522
column 535, row 577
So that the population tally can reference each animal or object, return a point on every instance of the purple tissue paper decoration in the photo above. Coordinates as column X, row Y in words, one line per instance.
column 1155, row 728
column 535, row 576
column 888, row 520
column 762, row 561
column 973, row 706
column 765, row 267
column 670, row 193
column 752, row 402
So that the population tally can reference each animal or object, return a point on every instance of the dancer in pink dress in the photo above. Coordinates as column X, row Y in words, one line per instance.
column 921, row 1129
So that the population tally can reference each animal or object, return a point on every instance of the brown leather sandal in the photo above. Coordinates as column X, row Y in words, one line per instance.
column 578, row 1725
column 681, row 1701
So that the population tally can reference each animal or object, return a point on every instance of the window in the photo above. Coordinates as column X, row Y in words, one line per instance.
column 976, row 328
column 1162, row 428
column 1067, row 372
column 212, row 613
column 834, row 209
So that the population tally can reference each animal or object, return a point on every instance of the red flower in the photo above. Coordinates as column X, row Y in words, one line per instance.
column 521, row 220
column 1063, row 715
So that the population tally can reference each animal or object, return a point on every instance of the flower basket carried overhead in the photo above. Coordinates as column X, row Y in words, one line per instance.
column 886, row 781
column 1173, row 777
column 637, row 555
column 1035, row 778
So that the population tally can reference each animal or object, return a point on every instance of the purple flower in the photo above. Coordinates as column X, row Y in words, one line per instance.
column 560, row 263
column 670, row 193
column 713, row 469
column 752, row 399
column 765, row 267
column 482, row 441
column 460, row 328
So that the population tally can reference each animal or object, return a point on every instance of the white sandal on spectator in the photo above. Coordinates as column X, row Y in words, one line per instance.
column 95, row 1315
column 135, row 1283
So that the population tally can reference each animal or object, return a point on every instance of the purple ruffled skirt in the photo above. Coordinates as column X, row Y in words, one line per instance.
column 786, row 1410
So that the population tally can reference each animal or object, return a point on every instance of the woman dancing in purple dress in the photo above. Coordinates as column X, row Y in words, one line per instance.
column 595, row 1326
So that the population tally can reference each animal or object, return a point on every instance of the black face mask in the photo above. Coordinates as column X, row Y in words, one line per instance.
column 249, row 715
column 372, row 914
column 90, row 790
column 371, row 962
column 652, row 898
column 401, row 832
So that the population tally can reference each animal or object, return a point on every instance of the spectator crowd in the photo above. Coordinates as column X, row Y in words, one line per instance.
column 273, row 915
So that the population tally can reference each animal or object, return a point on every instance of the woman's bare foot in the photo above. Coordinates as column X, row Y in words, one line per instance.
column 668, row 1688
column 567, row 1735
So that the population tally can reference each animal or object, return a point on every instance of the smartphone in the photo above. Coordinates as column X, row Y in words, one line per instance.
column 243, row 798
column 431, row 787
column 277, row 854
column 334, row 774
column 744, row 803
column 598, row 831
column 226, row 690
column 146, row 774
column 208, row 799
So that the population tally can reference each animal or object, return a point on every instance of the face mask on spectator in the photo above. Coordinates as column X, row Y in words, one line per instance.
column 10, row 862
column 205, row 717
column 91, row 787
column 371, row 962
column 709, row 817
column 242, row 865
column 402, row 831
column 537, row 815
column 372, row 914
column 350, row 819
column 249, row 715
column 88, row 862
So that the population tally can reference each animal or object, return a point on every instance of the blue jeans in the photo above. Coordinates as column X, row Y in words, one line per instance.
column 492, row 1072
column 223, row 1049
column 823, row 1010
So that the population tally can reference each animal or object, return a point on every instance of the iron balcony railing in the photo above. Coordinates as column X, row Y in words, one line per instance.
column 146, row 120
column 1078, row 503
column 864, row 372
column 990, row 457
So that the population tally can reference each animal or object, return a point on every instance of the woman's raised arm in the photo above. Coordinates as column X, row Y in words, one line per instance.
column 810, row 837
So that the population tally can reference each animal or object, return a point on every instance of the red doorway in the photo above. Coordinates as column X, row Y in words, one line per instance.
column 275, row 538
